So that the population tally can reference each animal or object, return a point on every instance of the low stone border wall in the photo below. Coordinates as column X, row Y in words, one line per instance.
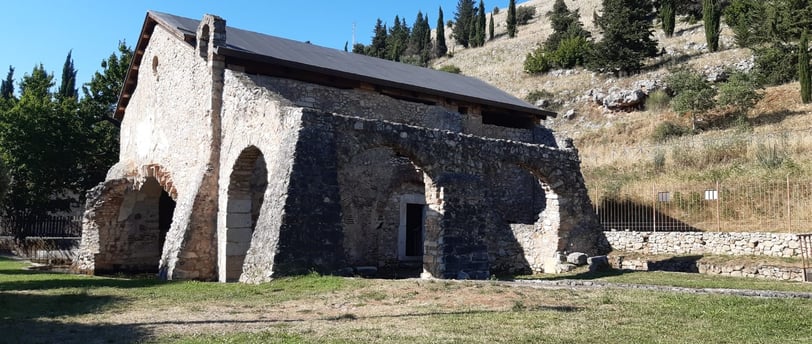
column 700, row 243
column 681, row 264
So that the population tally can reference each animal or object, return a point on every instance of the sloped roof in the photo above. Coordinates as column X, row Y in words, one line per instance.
column 266, row 49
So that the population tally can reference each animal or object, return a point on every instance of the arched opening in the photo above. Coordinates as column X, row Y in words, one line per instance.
column 144, row 218
column 246, row 190
column 524, row 235
column 386, row 213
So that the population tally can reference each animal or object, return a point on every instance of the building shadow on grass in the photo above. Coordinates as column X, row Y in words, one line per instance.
column 34, row 318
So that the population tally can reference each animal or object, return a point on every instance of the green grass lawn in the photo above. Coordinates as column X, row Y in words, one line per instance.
column 43, row 307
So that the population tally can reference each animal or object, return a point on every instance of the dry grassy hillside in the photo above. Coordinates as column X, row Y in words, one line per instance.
column 779, row 121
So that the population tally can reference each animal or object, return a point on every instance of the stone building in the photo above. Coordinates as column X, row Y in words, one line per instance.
column 246, row 156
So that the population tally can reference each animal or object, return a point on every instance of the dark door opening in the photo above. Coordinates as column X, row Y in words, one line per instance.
column 166, row 209
column 414, row 229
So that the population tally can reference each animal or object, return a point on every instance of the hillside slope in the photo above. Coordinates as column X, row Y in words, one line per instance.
column 602, row 135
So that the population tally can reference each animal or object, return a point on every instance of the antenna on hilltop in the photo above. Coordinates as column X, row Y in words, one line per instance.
column 353, row 34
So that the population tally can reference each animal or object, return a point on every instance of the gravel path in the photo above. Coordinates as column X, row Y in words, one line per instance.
column 582, row 284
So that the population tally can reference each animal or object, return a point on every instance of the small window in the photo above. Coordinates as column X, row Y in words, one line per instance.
column 463, row 110
column 155, row 64
column 663, row 196
column 711, row 195
column 508, row 120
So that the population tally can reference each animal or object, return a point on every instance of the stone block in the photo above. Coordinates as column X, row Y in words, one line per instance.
column 234, row 220
column 598, row 263
column 577, row 258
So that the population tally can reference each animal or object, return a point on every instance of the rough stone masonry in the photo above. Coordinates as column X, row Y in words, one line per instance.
column 245, row 157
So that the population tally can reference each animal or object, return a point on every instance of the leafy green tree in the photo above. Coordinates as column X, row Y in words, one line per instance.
column 692, row 94
column 100, row 129
column 668, row 16
column 67, row 88
column 712, row 15
column 627, row 36
column 490, row 28
column 463, row 22
column 511, row 19
column 740, row 93
column 803, row 69
column 7, row 85
column 37, row 137
column 440, row 48
column 524, row 14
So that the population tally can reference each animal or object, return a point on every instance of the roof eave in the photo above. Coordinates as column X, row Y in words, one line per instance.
column 245, row 55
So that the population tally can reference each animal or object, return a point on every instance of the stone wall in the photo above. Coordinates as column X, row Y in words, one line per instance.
column 699, row 243
column 369, row 104
column 732, row 269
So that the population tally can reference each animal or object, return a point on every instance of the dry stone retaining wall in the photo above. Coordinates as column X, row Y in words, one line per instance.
column 716, row 243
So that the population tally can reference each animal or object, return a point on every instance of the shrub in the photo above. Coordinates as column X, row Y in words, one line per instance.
column 667, row 130
column 524, row 14
column 571, row 52
column 770, row 157
column 739, row 92
column 450, row 69
column 496, row 10
column 658, row 101
column 775, row 65
column 537, row 62
column 536, row 95
column 659, row 161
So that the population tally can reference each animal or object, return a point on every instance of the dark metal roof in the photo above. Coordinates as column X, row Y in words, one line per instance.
column 272, row 50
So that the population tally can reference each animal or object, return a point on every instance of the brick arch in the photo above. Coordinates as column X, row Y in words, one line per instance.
column 162, row 175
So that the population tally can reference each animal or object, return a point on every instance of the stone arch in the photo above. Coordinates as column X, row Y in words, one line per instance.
column 127, row 221
column 389, row 211
column 517, row 203
column 246, row 189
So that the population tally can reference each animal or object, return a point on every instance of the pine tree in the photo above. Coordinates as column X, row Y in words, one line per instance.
column 711, row 15
column 668, row 16
column 67, row 88
column 565, row 24
column 803, row 69
column 440, row 49
column 463, row 22
column 398, row 39
column 7, row 86
column 627, row 36
column 378, row 46
column 480, row 32
column 511, row 19
column 490, row 28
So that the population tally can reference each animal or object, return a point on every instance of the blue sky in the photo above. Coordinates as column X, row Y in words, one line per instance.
column 43, row 31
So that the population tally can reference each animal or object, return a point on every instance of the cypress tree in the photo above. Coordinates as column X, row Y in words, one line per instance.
column 511, row 19
column 480, row 33
column 463, row 22
column 67, row 89
column 440, row 49
column 803, row 69
column 668, row 16
column 490, row 28
column 711, row 15
column 7, row 86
